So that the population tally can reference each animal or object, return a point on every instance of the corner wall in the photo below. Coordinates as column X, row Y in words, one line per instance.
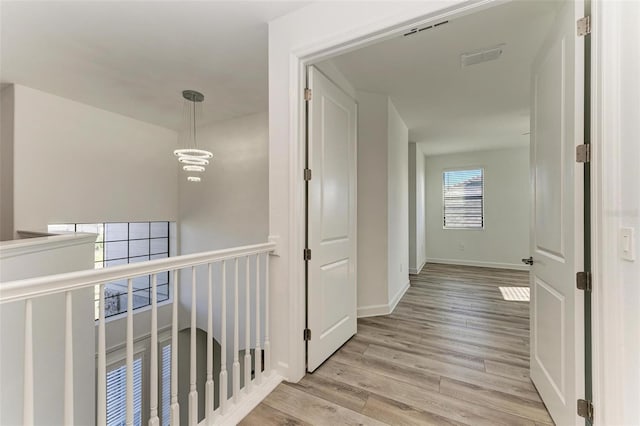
column 74, row 163
column 383, row 204
column 505, row 237
column 6, row 163
column 417, row 205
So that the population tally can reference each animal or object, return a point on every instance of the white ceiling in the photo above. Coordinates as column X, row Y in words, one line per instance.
column 449, row 108
column 136, row 57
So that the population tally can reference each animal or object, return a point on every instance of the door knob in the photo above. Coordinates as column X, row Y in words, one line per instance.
column 528, row 261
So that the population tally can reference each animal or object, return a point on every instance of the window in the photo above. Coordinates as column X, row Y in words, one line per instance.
column 122, row 243
column 463, row 193
column 117, row 394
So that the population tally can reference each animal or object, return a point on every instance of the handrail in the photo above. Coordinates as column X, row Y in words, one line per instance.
column 12, row 291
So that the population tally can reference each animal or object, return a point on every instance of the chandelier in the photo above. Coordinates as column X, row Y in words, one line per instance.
column 193, row 159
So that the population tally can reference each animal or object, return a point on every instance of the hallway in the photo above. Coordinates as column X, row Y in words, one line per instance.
column 453, row 352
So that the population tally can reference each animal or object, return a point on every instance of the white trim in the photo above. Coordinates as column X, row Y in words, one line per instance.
column 394, row 302
column 414, row 271
column 21, row 247
column 479, row 263
column 239, row 411
column 384, row 309
column 607, row 320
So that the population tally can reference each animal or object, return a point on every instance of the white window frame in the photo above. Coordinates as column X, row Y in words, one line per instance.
column 462, row 169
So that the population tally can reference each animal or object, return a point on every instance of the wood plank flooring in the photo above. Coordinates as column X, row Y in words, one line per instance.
column 452, row 352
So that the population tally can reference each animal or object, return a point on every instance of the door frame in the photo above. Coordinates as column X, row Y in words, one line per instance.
column 602, row 124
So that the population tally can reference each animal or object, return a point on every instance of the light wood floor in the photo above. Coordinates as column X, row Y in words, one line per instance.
column 452, row 352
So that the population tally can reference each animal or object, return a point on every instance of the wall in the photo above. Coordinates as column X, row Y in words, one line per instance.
column 228, row 208
column 397, row 205
column 417, row 221
column 34, row 257
column 314, row 28
column 383, row 218
column 6, row 163
column 74, row 163
column 505, row 237
column 628, row 208
column 372, row 202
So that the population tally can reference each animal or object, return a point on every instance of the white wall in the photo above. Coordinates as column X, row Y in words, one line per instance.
column 397, row 205
column 629, row 208
column 505, row 237
column 74, row 163
column 383, row 205
column 417, row 221
column 6, row 163
column 372, row 202
column 228, row 208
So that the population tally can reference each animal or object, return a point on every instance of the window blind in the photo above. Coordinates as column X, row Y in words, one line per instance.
column 463, row 192
column 117, row 394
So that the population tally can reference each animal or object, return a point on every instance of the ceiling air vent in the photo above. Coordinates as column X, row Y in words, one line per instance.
column 483, row 55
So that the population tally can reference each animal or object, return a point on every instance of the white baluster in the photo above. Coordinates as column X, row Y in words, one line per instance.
column 27, row 408
column 130, row 352
column 236, row 363
column 247, row 328
column 257, row 355
column 175, row 407
column 68, row 360
column 102, row 361
column 193, row 392
column 209, row 386
column 223, row 342
column 153, row 416
column 267, row 343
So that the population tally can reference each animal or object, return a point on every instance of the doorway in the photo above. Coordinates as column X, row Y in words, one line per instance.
column 552, row 61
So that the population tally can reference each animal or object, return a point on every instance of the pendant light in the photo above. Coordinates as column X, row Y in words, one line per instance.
column 192, row 158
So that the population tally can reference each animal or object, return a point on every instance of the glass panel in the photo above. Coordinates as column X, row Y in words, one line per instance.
column 92, row 228
column 116, row 231
column 141, row 298
column 115, row 250
column 163, row 292
column 138, row 259
column 159, row 256
column 138, row 248
column 141, row 282
column 65, row 227
column 138, row 230
column 110, row 263
column 159, row 229
column 163, row 278
column 160, row 245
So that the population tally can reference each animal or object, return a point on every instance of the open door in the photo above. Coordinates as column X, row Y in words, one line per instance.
column 331, row 219
column 557, row 314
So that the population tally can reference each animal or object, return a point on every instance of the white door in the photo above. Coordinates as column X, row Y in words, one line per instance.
column 557, row 315
column 331, row 291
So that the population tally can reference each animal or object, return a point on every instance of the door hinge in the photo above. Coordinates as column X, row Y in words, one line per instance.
column 307, row 334
column 584, row 26
column 307, row 254
column 307, row 94
column 583, row 281
column 583, row 153
column 307, row 174
column 585, row 409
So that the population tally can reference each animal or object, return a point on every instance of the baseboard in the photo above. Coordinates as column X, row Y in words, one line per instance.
column 384, row 309
column 479, row 263
column 414, row 271
column 248, row 402
column 373, row 311
column 398, row 296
